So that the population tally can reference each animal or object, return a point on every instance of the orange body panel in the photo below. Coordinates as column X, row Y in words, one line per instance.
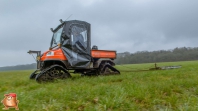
column 103, row 54
column 56, row 54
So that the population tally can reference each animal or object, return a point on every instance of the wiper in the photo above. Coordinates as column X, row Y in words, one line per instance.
column 53, row 46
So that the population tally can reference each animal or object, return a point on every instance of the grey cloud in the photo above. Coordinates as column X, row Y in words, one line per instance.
column 116, row 25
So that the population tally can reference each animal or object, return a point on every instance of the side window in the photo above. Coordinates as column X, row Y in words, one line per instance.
column 79, row 36
column 84, row 35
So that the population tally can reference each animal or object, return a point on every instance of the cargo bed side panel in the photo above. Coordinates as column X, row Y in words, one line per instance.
column 103, row 54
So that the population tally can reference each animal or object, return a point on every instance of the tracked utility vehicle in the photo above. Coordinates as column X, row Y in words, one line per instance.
column 70, row 49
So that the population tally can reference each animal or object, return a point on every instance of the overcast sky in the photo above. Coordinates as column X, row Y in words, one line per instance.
column 121, row 25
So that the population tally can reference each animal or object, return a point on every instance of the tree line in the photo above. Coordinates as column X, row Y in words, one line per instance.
column 19, row 67
column 177, row 54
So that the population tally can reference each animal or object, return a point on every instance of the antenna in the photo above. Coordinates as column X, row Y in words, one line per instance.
column 68, row 17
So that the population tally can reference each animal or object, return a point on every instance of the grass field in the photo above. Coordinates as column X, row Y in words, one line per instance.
column 175, row 89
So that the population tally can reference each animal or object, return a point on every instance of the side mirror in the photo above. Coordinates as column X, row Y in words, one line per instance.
column 52, row 29
column 61, row 21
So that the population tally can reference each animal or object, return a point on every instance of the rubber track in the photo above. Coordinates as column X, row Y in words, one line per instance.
column 33, row 75
column 110, row 67
column 47, row 69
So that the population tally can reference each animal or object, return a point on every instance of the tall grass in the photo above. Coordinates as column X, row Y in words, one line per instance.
column 175, row 89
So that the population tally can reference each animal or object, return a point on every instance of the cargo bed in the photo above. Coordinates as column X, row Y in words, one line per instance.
column 103, row 54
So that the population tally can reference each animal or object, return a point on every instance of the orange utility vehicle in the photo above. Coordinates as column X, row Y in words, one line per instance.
column 70, row 49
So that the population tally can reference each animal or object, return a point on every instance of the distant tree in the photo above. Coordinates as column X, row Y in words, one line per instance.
column 176, row 54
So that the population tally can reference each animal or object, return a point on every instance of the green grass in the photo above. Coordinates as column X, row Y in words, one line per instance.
column 168, row 90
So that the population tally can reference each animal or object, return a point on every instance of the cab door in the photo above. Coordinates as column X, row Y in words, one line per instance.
column 78, row 47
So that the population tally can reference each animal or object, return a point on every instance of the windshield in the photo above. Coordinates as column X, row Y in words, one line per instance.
column 56, row 37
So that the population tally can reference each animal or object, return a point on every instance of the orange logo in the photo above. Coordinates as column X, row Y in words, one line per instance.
column 10, row 101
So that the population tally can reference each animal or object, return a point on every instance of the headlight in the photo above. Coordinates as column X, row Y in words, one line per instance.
column 51, row 53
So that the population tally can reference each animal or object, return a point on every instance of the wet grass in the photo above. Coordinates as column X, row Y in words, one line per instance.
column 175, row 89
